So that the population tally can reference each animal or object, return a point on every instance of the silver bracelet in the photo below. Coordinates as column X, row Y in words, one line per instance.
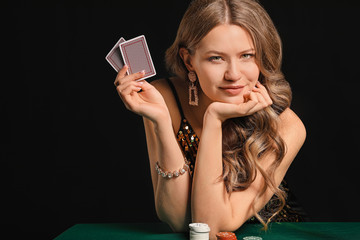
column 171, row 174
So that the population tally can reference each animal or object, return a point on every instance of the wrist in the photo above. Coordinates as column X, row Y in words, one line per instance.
column 211, row 115
column 212, row 118
column 162, row 123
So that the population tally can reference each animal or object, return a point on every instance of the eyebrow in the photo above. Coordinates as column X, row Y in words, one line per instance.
column 222, row 53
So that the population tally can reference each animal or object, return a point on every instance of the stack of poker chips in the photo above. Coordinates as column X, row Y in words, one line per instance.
column 199, row 231
column 226, row 236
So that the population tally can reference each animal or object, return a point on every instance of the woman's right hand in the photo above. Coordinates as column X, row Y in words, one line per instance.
column 255, row 100
column 139, row 96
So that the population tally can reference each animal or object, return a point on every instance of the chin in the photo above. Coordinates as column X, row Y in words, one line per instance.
column 233, row 100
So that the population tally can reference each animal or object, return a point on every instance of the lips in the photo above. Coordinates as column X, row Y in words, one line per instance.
column 232, row 89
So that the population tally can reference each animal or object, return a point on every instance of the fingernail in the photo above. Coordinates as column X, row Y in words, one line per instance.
column 141, row 83
column 143, row 71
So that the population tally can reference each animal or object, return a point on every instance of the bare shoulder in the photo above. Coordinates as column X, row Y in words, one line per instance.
column 288, row 117
column 161, row 85
column 290, row 121
column 292, row 129
column 159, row 82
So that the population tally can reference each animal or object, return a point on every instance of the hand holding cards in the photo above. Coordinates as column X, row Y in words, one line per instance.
column 135, row 54
column 131, row 59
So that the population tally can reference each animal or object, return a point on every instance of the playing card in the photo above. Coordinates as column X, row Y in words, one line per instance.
column 136, row 56
column 114, row 56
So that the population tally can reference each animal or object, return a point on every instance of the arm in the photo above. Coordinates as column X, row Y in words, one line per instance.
column 210, row 201
column 171, row 195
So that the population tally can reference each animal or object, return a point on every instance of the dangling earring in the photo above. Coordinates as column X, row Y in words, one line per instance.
column 193, row 92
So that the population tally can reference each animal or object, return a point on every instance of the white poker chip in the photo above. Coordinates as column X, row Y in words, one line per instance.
column 252, row 238
column 199, row 236
column 199, row 231
column 199, row 227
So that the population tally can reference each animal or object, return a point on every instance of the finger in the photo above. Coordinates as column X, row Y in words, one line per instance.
column 121, row 74
column 137, row 76
column 249, row 106
column 128, row 87
column 122, row 78
column 261, row 99
column 250, row 101
column 261, row 89
column 145, row 85
column 245, row 109
column 262, row 96
column 260, row 104
column 253, row 97
column 256, row 103
column 130, row 90
column 259, row 85
column 246, row 96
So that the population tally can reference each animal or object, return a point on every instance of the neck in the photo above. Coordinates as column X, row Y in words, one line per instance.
column 199, row 111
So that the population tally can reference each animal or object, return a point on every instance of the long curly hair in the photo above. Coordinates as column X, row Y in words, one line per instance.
column 245, row 139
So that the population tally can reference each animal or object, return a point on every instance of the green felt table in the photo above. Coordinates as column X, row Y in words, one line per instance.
column 278, row 231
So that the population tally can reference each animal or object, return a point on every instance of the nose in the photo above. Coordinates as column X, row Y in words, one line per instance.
column 233, row 72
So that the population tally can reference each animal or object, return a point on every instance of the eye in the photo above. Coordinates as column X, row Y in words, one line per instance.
column 215, row 59
column 247, row 55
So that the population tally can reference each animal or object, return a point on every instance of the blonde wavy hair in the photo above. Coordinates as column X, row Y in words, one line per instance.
column 245, row 139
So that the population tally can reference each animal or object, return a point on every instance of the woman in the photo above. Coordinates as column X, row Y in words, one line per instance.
column 228, row 91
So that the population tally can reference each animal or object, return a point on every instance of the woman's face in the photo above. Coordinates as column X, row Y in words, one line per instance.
column 224, row 62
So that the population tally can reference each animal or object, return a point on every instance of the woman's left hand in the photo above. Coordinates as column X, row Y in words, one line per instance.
column 254, row 101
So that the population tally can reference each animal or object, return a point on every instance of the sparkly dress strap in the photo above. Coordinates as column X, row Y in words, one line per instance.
column 172, row 87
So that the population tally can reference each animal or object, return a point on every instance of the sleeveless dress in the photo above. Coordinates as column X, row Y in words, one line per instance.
column 189, row 143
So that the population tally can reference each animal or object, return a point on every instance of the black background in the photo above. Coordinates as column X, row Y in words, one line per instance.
column 71, row 153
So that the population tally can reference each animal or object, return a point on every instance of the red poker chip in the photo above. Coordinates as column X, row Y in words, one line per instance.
column 226, row 236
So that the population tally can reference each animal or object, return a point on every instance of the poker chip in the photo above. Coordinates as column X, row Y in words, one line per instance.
column 199, row 231
column 226, row 236
column 252, row 238
column 199, row 227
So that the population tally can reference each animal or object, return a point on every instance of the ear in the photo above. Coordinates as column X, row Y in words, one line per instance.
column 187, row 58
